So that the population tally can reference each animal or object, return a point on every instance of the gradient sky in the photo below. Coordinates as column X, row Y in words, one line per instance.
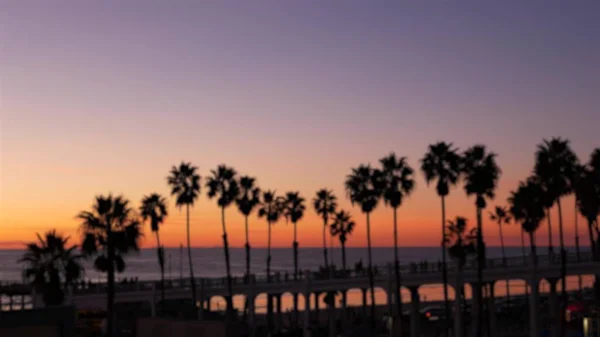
column 106, row 96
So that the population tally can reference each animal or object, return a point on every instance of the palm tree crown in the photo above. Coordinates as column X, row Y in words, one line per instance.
column 364, row 187
column 342, row 225
column 500, row 214
column 185, row 184
column 294, row 207
column 555, row 165
column 271, row 206
column 481, row 174
column 460, row 242
column 441, row 162
column 154, row 208
column 111, row 225
column 51, row 266
column 526, row 205
column 398, row 179
column 223, row 185
column 325, row 203
column 249, row 196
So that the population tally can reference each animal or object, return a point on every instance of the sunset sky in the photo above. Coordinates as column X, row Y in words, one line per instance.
column 106, row 96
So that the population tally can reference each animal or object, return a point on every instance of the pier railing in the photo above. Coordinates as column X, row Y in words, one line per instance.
column 423, row 267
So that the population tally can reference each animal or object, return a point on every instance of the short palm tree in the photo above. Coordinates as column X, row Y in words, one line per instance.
column 325, row 204
column 481, row 179
column 185, row 186
column 460, row 241
column 51, row 266
column 247, row 201
column 526, row 207
column 442, row 163
column 294, row 211
column 342, row 226
column 154, row 208
column 222, row 184
column 502, row 218
column 110, row 231
column 554, row 167
column 398, row 184
column 270, row 208
column 364, row 187
column 588, row 203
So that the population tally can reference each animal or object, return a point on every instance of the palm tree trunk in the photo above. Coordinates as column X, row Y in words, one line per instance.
column 524, row 257
column 325, row 244
column 343, row 244
column 161, row 263
column 480, row 266
column 229, row 296
column 295, row 244
column 592, row 241
column 398, row 295
column 563, row 270
column 550, row 247
column 269, row 297
column 577, row 232
column 371, row 281
column 110, row 291
column 444, row 265
column 504, row 258
column 247, row 250
column 533, row 303
column 189, row 249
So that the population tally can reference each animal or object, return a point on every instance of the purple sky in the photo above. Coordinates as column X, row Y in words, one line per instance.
column 107, row 95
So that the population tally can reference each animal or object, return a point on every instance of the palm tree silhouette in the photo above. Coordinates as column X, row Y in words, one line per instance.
column 364, row 187
column 342, row 226
column 460, row 242
column 526, row 207
column 110, row 231
column 294, row 211
column 442, row 163
column 51, row 266
column 481, row 178
column 588, row 200
column 325, row 204
column 248, row 199
column 501, row 217
column 222, row 184
column 185, row 186
column 270, row 208
column 555, row 165
column 399, row 183
column 154, row 208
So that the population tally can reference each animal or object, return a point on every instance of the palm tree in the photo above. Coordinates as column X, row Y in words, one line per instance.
column 442, row 163
column 294, row 211
column 270, row 208
column 248, row 199
column 364, row 187
column 325, row 204
column 481, row 178
column 399, row 183
column 185, row 186
column 154, row 207
column 554, row 166
column 110, row 231
column 51, row 266
column 501, row 216
column 460, row 242
column 342, row 226
column 526, row 207
column 222, row 184
column 588, row 203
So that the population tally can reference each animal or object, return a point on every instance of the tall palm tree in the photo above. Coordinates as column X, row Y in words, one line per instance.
column 110, row 231
column 527, row 208
column 248, row 199
column 185, row 186
column 364, row 187
column 154, row 208
column 481, row 178
column 270, row 208
column 51, row 266
column 325, row 204
column 342, row 226
column 399, row 183
column 554, row 166
column 588, row 203
column 222, row 184
column 501, row 217
column 294, row 211
column 442, row 163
